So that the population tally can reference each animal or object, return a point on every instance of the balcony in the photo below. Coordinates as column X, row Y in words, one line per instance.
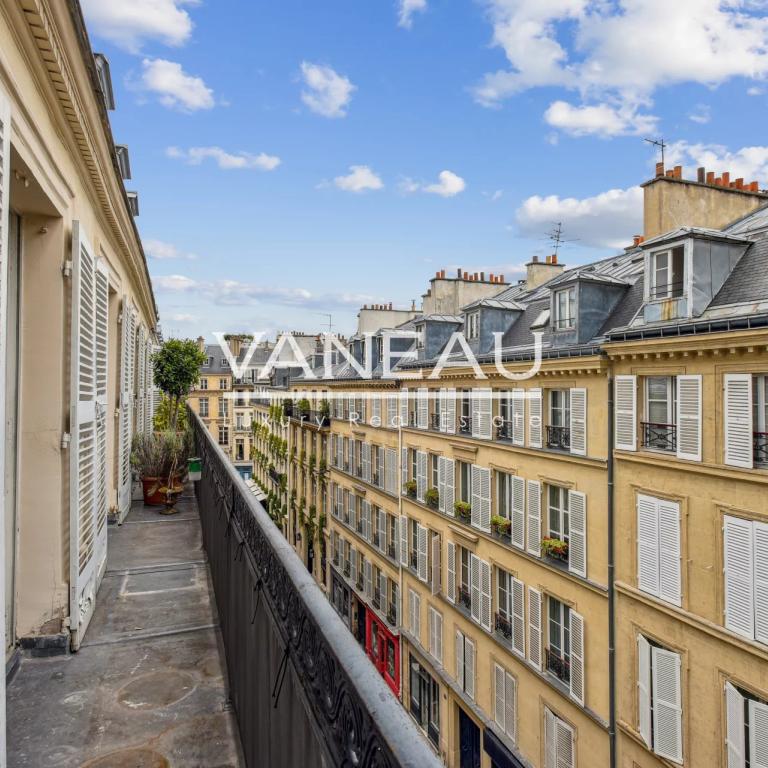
column 557, row 665
column 465, row 598
column 504, row 431
column 464, row 427
column 659, row 437
column 503, row 626
column 760, row 448
column 559, row 438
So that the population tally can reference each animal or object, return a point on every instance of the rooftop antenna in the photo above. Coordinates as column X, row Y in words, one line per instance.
column 660, row 143
column 330, row 320
column 556, row 237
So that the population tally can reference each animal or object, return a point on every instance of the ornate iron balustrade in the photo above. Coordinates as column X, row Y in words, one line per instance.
column 760, row 447
column 660, row 437
column 434, row 421
column 559, row 438
column 464, row 427
column 296, row 673
column 504, row 626
column 504, row 431
column 465, row 598
column 558, row 666
column 391, row 552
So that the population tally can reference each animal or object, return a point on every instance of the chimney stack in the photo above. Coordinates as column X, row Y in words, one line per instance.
column 538, row 272
column 201, row 343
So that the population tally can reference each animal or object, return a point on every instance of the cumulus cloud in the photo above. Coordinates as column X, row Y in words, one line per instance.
column 182, row 317
column 173, row 87
column 701, row 114
column 448, row 184
column 607, row 220
column 602, row 120
column 748, row 162
column 359, row 179
column 160, row 250
column 406, row 10
column 326, row 92
column 130, row 24
column 227, row 161
column 174, row 283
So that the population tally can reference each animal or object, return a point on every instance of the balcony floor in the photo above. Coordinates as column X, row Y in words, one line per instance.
column 148, row 688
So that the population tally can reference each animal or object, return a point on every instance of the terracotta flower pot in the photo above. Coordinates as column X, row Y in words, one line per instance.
column 152, row 495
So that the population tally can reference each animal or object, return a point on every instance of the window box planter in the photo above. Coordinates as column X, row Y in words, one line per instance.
column 432, row 498
column 410, row 489
column 463, row 511
column 555, row 549
column 500, row 526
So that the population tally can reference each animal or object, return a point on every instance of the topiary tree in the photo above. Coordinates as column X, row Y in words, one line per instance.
column 176, row 367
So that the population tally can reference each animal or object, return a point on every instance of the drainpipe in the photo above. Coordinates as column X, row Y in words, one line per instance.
column 611, row 591
column 399, row 489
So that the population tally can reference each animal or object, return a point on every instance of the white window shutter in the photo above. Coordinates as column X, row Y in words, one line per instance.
column 392, row 411
column 353, row 565
column 440, row 408
column 689, row 417
column 647, row 544
column 534, row 627
column 499, row 708
column 737, row 410
column 485, row 595
column 625, row 413
column 644, row 688
column 510, row 706
column 404, row 468
column 476, row 496
column 459, row 654
column 438, row 654
column 436, row 569
column 734, row 728
column 422, row 408
column 450, row 561
column 441, row 483
column 474, row 576
column 404, row 540
column 383, row 599
column 667, row 704
column 761, row 582
column 450, row 491
column 382, row 530
column 534, row 517
column 469, row 668
column 578, row 424
column 534, row 418
column 404, row 407
column 550, row 743
column 368, row 570
column 128, row 330
column 367, row 462
column 450, row 411
column 367, row 527
column 517, row 528
column 485, row 499
column 422, row 552
column 391, row 464
column 376, row 410
column 758, row 734
column 518, row 417
column 381, row 468
column 577, row 544
column 739, row 576
column 577, row 657
column 518, row 617
column 352, row 511
column 670, row 587
column 482, row 410
column 421, row 475
column 564, row 744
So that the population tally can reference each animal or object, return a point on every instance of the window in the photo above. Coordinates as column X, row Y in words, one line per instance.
column 660, row 712
column 560, row 408
column 659, row 428
column 558, row 738
column 239, row 450
column 204, row 407
column 208, row 362
column 223, row 435
column 505, row 701
column 658, row 548
column 465, row 664
column 559, row 634
column 223, row 407
column 746, row 719
column 760, row 419
column 465, row 594
column 465, row 482
column 667, row 271
column 473, row 325
column 419, row 337
column 222, row 384
column 565, row 306
column 425, row 700
column 203, row 383
column 435, row 619
column 433, row 464
column 414, row 614
column 558, row 513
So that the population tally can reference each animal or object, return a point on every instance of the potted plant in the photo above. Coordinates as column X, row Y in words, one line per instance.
column 325, row 409
column 463, row 510
column 304, row 407
column 432, row 498
column 500, row 525
column 287, row 407
column 555, row 549
column 410, row 488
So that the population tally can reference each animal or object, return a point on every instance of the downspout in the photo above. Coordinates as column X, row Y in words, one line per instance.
column 611, row 591
column 401, row 583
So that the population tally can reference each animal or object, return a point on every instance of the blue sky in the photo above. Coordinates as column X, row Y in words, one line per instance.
column 301, row 157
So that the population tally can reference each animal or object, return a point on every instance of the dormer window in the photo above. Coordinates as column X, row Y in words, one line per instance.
column 473, row 325
column 667, row 268
column 419, row 337
column 565, row 309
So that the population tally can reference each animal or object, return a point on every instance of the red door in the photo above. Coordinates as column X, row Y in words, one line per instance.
column 383, row 649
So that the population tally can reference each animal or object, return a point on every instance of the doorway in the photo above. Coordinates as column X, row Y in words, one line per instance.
column 469, row 741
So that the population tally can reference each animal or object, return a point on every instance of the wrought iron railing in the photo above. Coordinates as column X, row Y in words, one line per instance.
column 464, row 427
column 311, row 418
column 559, row 666
column 504, row 430
column 434, row 421
column 660, row 437
column 760, row 447
column 503, row 626
column 559, row 438
column 281, row 634
column 465, row 598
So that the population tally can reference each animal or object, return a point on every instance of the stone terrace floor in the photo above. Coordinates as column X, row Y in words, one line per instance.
column 148, row 688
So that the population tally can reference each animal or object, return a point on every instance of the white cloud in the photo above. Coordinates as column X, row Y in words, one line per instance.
column 599, row 119
column 174, row 88
column 160, row 250
column 359, row 179
column 327, row 92
column 406, row 9
column 755, row 91
column 182, row 317
column 748, row 162
column 701, row 114
column 130, row 24
column 607, row 220
column 227, row 161
column 495, row 195
column 174, row 283
column 448, row 185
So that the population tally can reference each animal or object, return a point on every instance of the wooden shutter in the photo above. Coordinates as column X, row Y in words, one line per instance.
column 534, row 627
column 734, row 727
column 517, row 506
column 140, row 379
column 499, row 708
column 421, row 475
column 441, row 483
column 534, row 517
column 353, row 511
column 550, row 743
column 564, row 744
column 447, row 497
column 353, row 565
column 404, row 540
column 442, row 412
column 758, row 734
column 450, row 560
column 381, row 467
column 436, row 565
column 459, row 654
column 737, row 410
column 670, row 588
column 383, row 589
column 481, row 497
column 404, row 407
column 391, row 464
column 647, row 544
column 485, row 595
column 534, row 418
column 761, row 581
column 667, row 704
column 382, row 530
column 577, row 544
column 368, row 572
column 101, row 326
column 450, row 411
column 510, row 706
column 625, row 413
column 366, row 451
column 481, row 413
column 416, row 617
column 739, row 574
column 476, row 497
column 128, row 330
column 474, row 576
column 392, row 411
column 578, row 423
column 577, row 657
column 518, row 417
column 438, row 652
column 422, row 408
column 376, row 410
column 404, row 468
column 421, row 539
column 518, row 617
column 644, row 688
column 689, row 417
column 469, row 668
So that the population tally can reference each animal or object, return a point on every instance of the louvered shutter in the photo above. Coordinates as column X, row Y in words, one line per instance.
column 447, row 497
column 441, row 410
column 667, row 704
column 534, row 418
column 353, row 511
column 368, row 579
column 367, row 520
column 392, row 411
column 476, row 497
column 577, row 544
column 647, row 544
column 625, row 413
column 101, row 327
column 518, row 417
column 421, row 475
column 128, row 329
column 670, row 588
column 391, row 464
column 340, row 452
column 761, row 581
column 438, row 651
column 517, row 527
column 481, row 413
column 353, row 467
column 644, row 688
column 450, row 411
column 441, row 483
column 739, row 576
column 550, row 743
column 381, row 468
column 140, row 379
column 459, row 654
column 450, row 560
column 485, row 595
column 518, row 617
column 737, row 409
column 403, row 540
column 485, row 499
column 415, row 614
column 474, row 583
column 689, row 417
column 534, row 517
column 421, row 540
column 5, row 176
column 534, row 627
column 577, row 657
column 758, row 734
column 383, row 597
column 469, row 668
column 510, row 706
column 436, row 569
column 734, row 727
column 422, row 408
column 578, row 423
column 564, row 744
column 366, row 450
column 376, row 410
column 353, row 565
column 404, row 407
column 500, row 710
column 382, row 530
column 403, row 468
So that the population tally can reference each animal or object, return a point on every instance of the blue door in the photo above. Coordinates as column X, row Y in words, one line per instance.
column 469, row 742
